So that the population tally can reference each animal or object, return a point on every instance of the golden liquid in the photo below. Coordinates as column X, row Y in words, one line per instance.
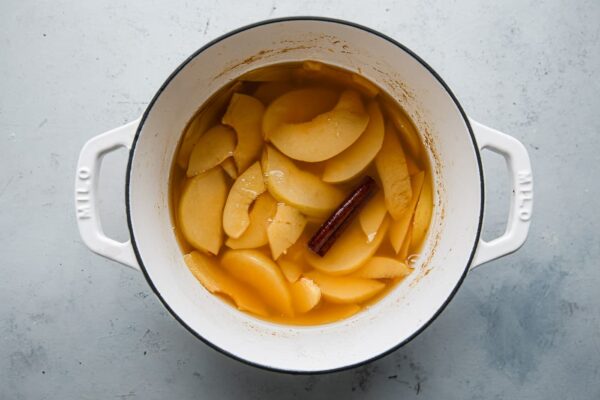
column 300, row 75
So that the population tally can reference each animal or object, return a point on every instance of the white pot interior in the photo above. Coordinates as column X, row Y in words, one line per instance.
column 451, row 241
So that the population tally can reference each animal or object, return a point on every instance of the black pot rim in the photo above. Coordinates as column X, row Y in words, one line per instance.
column 267, row 22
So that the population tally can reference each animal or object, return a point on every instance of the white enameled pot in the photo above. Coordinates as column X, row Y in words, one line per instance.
column 453, row 246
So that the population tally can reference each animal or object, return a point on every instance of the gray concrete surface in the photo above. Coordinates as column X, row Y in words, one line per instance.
column 76, row 326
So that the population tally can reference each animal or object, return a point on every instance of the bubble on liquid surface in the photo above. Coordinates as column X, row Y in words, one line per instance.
column 411, row 260
column 277, row 173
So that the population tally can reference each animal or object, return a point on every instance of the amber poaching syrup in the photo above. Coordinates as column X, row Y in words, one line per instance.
column 268, row 83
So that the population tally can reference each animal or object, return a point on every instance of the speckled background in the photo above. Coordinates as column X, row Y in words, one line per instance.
column 76, row 326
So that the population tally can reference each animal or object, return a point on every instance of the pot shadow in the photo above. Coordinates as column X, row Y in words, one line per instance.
column 488, row 333
column 404, row 372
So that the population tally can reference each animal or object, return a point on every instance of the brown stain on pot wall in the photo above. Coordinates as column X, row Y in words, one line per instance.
column 399, row 90
column 437, row 225
column 286, row 46
column 261, row 54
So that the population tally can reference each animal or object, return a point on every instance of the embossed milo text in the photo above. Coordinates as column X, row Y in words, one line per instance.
column 524, row 194
column 82, row 193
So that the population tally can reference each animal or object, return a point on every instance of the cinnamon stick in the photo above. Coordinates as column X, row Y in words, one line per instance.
column 337, row 222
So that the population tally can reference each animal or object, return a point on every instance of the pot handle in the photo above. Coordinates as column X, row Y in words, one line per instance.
column 86, row 187
column 521, row 205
